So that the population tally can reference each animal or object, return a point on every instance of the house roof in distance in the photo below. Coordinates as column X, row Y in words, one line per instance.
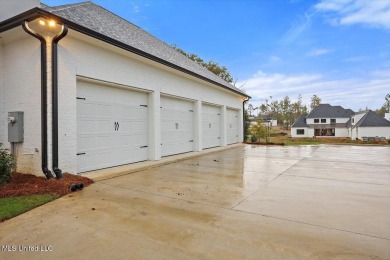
column 104, row 22
column 372, row 119
column 301, row 121
column 328, row 111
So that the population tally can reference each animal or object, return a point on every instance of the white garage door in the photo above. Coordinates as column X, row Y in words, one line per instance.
column 232, row 126
column 211, row 126
column 177, row 126
column 112, row 126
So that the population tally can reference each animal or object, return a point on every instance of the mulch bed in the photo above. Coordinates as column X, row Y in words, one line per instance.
column 28, row 184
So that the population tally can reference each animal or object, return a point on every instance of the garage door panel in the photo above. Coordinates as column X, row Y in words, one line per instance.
column 211, row 126
column 103, row 126
column 232, row 126
column 84, row 142
column 177, row 120
column 86, row 108
column 102, row 110
column 93, row 160
column 103, row 141
column 85, row 125
column 111, row 126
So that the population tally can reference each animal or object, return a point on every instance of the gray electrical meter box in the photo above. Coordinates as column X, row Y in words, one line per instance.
column 15, row 127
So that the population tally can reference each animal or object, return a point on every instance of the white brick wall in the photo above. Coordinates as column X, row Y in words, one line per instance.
column 20, row 90
column 102, row 63
column 373, row 131
column 294, row 132
column 2, row 121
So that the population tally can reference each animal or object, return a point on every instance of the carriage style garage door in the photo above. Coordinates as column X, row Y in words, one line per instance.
column 177, row 124
column 112, row 126
column 211, row 126
column 232, row 126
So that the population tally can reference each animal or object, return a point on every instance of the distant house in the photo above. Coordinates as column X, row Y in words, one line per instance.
column 323, row 120
column 335, row 121
column 267, row 120
column 369, row 124
column 387, row 116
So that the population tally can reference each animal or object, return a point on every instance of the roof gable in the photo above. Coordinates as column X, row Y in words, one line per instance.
column 300, row 122
column 372, row 119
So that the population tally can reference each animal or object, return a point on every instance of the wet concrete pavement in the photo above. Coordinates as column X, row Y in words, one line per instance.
column 249, row 202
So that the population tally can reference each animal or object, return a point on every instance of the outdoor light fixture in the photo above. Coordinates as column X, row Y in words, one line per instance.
column 44, row 22
column 44, row 97
column 52, row 23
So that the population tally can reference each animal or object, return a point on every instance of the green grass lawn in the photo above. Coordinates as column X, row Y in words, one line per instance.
column 316, row 141
column 13, row 206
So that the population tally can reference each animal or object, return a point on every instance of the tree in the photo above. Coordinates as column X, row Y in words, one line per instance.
column 284, row 111
column 246, row 124
column 212, row 66
column 315, row 101
column 385, row 108
column 259, row 130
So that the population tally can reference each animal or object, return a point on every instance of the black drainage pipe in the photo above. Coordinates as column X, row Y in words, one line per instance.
column 243, row 119
column 54, row 68
column 45, row 168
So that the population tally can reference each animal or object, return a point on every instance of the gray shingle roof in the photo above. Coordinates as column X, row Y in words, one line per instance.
column 100, row 20
column 372, row 119
column 300, row 122
column 326, row 110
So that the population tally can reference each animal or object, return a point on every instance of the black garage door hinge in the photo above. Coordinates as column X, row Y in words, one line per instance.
column 219, row 138
column 144, row 105
column 191, row 110
column 218, row 114
column 80, row 98
column 80, row 153
column 144, row 146
column 191, row 141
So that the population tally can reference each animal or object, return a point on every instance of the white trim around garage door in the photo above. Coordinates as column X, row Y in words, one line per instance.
column 211, row 126
column 232, row 125
column 112, row 125
column 177, row 125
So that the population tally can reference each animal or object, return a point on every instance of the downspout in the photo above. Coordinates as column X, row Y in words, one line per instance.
column 243, row 118
column 54, row 69
column 45, row 169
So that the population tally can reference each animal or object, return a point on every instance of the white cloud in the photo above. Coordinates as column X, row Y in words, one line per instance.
column 349, row 93
column 355, row 59
column 374, row 13
column 297, row 28
column 136, row 9
column 275, row 58
column 318, row 52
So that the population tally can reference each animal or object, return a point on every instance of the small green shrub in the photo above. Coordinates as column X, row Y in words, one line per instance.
column 5, row 165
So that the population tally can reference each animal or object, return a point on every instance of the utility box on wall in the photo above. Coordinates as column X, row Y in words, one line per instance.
column 15, row 127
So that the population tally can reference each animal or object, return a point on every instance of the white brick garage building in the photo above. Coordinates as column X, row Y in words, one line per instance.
column 123, row 95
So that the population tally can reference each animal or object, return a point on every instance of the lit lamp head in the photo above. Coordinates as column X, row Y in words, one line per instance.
column 45, row 22
column 46, row 26
column 52, row 23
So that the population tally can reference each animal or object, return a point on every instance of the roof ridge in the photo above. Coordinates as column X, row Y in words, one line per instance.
column 69, row 5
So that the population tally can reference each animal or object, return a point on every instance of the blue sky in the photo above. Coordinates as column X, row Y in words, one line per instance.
column 336, row 49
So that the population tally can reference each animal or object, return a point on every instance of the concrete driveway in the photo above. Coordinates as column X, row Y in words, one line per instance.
column 248, row 202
